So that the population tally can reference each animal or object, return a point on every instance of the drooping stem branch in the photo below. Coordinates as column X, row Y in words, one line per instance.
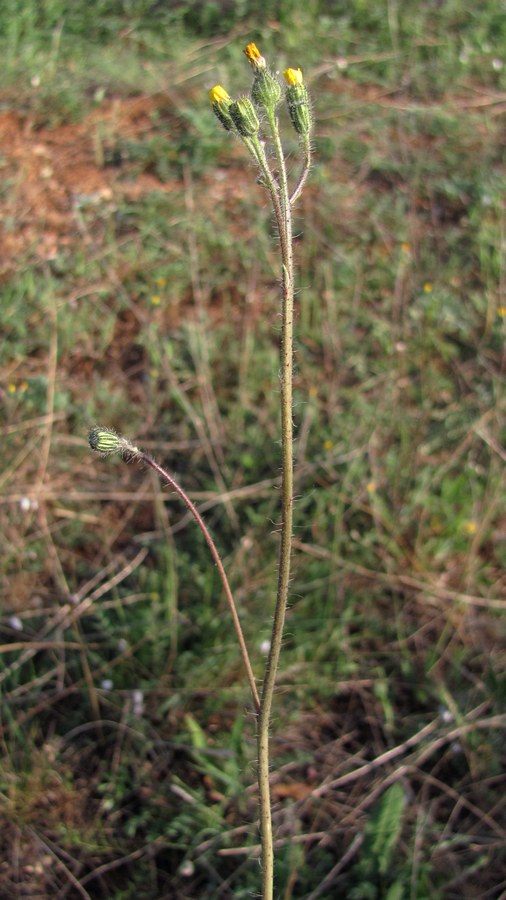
column 149, row 461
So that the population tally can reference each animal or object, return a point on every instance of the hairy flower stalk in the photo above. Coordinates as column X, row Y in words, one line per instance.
column 266, row 94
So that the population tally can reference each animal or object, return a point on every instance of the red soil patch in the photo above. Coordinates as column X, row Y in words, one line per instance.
column 51, row 170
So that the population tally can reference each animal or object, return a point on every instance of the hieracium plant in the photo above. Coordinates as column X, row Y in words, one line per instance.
column 254, row 120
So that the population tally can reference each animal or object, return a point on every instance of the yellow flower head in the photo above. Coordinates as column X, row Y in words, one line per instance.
column 218, row 94
column 293, row 76
column 470, row 527
column 254, row 56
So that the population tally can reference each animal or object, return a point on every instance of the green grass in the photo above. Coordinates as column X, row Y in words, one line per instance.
column 157, row 314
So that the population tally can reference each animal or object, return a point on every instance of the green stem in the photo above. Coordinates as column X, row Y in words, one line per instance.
column 256, row 148
column 286, row 522
column 149, row 461
column 305, row 170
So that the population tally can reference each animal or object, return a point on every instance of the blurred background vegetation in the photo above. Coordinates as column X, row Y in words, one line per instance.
column 139, row 289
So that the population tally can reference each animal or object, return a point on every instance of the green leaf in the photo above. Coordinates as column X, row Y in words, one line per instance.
column 385, row 826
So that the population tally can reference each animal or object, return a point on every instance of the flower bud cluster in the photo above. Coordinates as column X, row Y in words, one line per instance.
column 241, row 117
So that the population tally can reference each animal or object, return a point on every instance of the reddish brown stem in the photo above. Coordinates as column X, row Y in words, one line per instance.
column 219, row 565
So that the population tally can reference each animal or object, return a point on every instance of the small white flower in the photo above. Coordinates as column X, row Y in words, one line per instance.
column 187, row 869
column 137, row 702
column 265, row 646
column 26, row 504
column 16, row 623
column 107, row 684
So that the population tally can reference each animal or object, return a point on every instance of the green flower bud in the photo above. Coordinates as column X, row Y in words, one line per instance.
column 104, row 440
column 244, row 117
column 221, row 102
column 298, row 101
column 266, row 90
